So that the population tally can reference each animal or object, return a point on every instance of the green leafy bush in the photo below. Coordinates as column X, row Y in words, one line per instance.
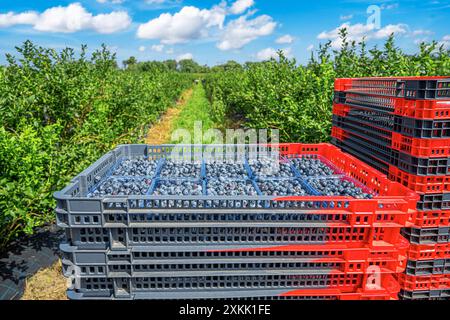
column 297, row 100
column 59, row 112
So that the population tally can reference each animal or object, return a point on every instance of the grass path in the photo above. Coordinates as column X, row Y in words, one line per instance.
column 196, row 110
column 49, row 283
column 161, row 131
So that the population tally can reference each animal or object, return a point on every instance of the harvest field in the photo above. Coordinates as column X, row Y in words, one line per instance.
column 60, row 111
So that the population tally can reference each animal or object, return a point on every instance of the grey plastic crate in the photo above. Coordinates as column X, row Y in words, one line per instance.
column 258, row 234
column 427, row 235
column 76, row 210
column 425, row 295
column 199, row 259
column 240, row 295
column 230, row 286
column 428, row 267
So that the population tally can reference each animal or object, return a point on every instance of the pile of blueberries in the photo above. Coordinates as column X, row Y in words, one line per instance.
column 136, row 167
column 175, row 169
column 178, row 187
column 338, row 187
column 310, row 167
column 122, row 187
column 226, row 169
column 269, row 168
column 228, row 187
column 273, row 178
column 281, row 188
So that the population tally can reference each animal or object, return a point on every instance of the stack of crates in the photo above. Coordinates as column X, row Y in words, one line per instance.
column 401, row 126
column 245, row 247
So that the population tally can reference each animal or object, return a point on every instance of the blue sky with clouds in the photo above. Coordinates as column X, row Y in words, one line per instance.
column 214, row 31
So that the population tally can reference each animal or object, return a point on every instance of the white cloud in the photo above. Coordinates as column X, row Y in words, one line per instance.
column 240, row 6
column 390, row 29
column 359, row 31
column 170, row 51
column 285, row 39
column 189, row 23
column 185, row 56
column 269, row 53
column 11, row 18
column 446, row 38
column 158, row 47
column 142, row 48
column 112, row 22
column 346, row 17
column 310, row 47
column 69, row 19
column 241, row 31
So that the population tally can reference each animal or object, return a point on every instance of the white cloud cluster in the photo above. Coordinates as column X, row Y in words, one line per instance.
column 69, row 19
column 240, row 6
column 359, row 31
column 285, row 39
column 192, row 23
column 269, row 53
column 188, row 24
column 242, row 31
column 10, row 19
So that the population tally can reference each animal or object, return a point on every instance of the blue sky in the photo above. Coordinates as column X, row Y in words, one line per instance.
column 214, row 31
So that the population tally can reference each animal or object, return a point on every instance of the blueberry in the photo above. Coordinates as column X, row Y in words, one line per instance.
column 310, row 167
column 338, row 187
column 172, row 169
column 229, row 187
column 270, row 167
column 281, row 188
column 136, row 167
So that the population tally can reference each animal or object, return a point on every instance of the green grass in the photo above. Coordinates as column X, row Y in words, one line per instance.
column 197, row 110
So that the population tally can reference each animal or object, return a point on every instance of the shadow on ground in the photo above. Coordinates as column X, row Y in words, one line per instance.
column 25, row 257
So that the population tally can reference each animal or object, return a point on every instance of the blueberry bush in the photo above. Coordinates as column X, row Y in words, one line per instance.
column 297, row 100
column 59, row 111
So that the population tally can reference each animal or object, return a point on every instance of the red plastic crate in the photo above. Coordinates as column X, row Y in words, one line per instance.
column 340, row 109
column 403, row 87
column 432, row 148
column 417, row 109
column 429, row 251
column 350, row 259
column 339, row 133
column 418, row 147
column 417, row 283
column 390, row 194
column 341, row 84
column 420, row 184
column 387, row 289
column 430, row 219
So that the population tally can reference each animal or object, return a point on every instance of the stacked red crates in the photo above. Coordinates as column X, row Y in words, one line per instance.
column 401, row 127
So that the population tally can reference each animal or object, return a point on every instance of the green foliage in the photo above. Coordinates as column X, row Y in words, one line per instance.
column 59, row 113
column 190, row 66
column 297, row 100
